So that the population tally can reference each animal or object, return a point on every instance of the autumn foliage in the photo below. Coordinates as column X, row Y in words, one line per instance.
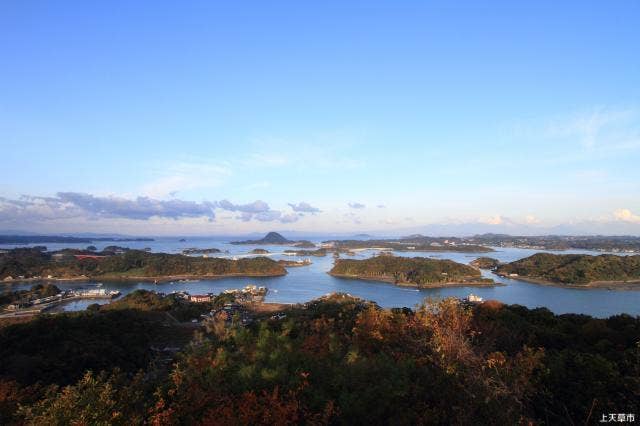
column 341, row 360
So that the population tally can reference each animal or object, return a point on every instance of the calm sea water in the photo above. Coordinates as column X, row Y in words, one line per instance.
column 305, row 283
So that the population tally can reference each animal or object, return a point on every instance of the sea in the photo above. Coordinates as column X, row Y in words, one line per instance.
column 305, row 283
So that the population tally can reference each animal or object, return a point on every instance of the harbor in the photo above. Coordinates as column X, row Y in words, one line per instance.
column 43, row 304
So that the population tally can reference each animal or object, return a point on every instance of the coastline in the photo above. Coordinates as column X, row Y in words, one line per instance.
column 408, row 284
column 161, row 278
column 594, row 285
column 435, row 249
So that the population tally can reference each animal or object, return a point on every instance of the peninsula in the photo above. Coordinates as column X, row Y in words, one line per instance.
column 414, row 272
column 424, row 244
column 579, row 270
column 35, row 264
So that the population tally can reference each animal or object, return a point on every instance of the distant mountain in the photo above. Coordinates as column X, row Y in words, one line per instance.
column 270, row 238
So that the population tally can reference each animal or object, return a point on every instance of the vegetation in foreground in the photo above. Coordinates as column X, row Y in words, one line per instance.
column 34, row 262
column 419, row 271
column 575, row 268
column 338, row 360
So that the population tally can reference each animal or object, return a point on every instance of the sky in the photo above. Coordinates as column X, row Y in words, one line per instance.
column 214, row 118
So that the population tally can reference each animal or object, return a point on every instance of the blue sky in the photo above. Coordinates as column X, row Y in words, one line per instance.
column 222, row 117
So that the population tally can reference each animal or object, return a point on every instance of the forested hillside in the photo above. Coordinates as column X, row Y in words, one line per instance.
column 420, row 271
column 575, row 268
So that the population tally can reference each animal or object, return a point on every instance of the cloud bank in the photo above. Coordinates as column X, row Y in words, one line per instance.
column 67, row 205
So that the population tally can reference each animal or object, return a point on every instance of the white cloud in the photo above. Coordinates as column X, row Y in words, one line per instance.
column 356, row 205
column 184, row 176
column 74, row 204
column 324, row 151
column 531, row 219
column 600, row 129
column 625, row 215
column 493, row 220
column 304, row 208
column 258, row 210
column 260, row 159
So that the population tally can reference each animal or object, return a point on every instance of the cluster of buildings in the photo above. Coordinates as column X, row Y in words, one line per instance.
column 43, row 303
column 228, row 313
column 248, row 294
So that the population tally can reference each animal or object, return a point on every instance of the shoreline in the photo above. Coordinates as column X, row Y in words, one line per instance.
column 594, row 285
column 161, row 278
column 408, row 284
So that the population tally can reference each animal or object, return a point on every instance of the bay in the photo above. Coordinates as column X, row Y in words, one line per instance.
column 302, row 284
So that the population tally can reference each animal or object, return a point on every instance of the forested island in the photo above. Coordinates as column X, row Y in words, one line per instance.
column 575, row 269
column 321, row 252
column 335, row 360
column 415, row 271
column 34, row 263
column 485, row 263
column 423, row 244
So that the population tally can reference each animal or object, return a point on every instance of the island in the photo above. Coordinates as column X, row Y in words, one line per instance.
column 294, row 263
column 414, row 272
column 579, row 270
column 259, row 251
column 270, row 238
column 189, row 251
column 32, row 264
column 485, row 263
column 422, row 244
column 304, row 244
column 321, row 252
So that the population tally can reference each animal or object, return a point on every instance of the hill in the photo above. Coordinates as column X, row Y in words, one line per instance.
column 270, row 238
column 578, row 269
column 336, row 360
column 416, row 271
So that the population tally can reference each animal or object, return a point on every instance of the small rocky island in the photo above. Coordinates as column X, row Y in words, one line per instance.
column 259, row 251
column 415, row 271
column 485, row 263
column 582, row 270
